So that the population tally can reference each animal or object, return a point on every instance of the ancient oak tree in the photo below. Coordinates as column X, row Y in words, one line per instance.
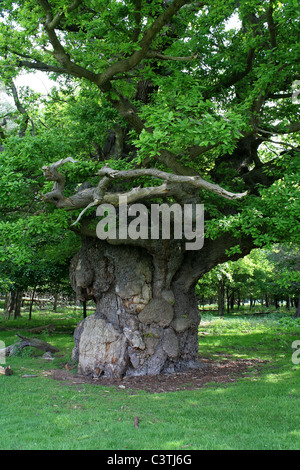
column 195, row 105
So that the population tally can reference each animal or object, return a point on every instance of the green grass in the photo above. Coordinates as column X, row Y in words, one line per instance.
column 259, row 411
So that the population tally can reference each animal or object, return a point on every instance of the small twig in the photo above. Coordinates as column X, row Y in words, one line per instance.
column 94, row 203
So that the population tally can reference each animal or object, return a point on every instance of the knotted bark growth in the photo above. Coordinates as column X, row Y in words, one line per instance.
column 142, row 325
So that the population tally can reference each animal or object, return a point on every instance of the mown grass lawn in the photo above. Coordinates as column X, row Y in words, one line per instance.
column 258, row 411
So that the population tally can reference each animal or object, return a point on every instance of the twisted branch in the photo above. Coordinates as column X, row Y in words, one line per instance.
column 97, row 195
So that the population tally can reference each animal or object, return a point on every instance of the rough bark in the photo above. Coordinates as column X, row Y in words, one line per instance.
column 146, row 319
column 143, row 324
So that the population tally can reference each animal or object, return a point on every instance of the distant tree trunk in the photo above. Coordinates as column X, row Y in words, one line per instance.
column 297, row 313
column 227, row 299
column 11, row 309
column 221, row 297
column 232, row 300
column 55, row 300
column 31, row 303
column 267, row 300
column 18, row 303
column 7, row 304
column 239, row 300
column 15, row 303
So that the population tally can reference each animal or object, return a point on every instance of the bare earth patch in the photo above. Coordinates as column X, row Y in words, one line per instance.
column 223, row 371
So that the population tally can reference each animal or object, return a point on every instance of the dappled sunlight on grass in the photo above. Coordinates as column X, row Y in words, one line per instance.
column 272, row 378
column 295, row 434
column 157, row 397
column 282, row 375
column 267, row 338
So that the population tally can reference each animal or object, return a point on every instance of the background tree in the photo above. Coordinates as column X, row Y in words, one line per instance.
column 181, row 108
column 265, row 277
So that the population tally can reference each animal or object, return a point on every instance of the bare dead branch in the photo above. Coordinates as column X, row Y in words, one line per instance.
column 196, row 181
column 137, row 194
column 91, row 204
column 96, row 195
column 51, row 174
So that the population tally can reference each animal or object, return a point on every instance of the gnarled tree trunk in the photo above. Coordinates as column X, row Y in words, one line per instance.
column 143, row 324
column 146, row 318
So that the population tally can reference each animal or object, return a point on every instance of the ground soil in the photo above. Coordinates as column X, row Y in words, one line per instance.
column 210, row 370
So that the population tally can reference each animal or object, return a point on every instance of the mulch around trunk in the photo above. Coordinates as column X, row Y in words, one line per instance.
column 222, row 371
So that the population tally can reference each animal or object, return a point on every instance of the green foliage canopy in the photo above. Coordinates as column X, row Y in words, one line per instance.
column 193, row 93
